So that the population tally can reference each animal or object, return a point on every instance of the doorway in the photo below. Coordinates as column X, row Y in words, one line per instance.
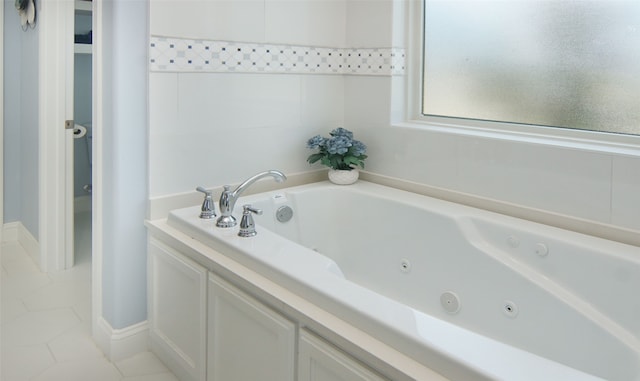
column 82, row 131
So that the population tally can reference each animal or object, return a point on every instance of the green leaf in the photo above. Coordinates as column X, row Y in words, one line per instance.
column 349, row 160
column 315, row 157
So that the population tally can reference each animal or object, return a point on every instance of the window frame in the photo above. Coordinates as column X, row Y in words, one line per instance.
column 597, row 141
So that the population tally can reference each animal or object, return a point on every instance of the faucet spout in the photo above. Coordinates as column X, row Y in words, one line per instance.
column 228, row 198
column 277, row 176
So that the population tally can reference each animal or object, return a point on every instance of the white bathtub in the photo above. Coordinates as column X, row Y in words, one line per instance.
column 468, row 293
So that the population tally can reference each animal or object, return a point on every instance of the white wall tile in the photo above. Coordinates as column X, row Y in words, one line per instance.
column 310, row 22
column 211, row 159
column 229, row 127
column 406, row 153
column 163, row 122
column 369, row 23
column 367, row 102
column 322, row 101
column 625, row 203
column 398, row 98
column 163, row 101
column 483, row 167
column 412, row 154
column 222, row 102
column 549, row 178
column 176, row 160
column 233, row 20
column 200, row 123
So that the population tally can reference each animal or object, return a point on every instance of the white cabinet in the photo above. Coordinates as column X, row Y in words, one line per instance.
column 320, row 361
column 205, row 328
column 177, row 311
column 247, row 341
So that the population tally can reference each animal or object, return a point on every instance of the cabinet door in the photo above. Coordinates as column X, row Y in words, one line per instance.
column 247, row 341
column 177, row 311
column 320, row 361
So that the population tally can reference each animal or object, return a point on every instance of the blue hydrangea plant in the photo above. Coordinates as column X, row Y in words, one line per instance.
column 339, row 151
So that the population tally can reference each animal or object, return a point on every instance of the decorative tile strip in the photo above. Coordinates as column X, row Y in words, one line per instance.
column 185, row 55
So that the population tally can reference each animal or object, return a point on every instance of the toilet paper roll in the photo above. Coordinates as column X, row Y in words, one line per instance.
column 79, row 131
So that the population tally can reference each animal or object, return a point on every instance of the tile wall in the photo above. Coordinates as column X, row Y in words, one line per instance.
column 237, row 87
column 210, row 127
column 596, row 186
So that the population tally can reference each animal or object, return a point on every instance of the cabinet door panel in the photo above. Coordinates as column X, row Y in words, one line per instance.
column 319, row 361
column 177, row 311
column 247, row 341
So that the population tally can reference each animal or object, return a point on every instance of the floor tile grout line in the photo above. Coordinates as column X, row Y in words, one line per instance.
column 77, row 306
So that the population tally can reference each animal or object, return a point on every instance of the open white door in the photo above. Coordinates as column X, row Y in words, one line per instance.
column 1, row 121
column 69, row 38
column 56, row 140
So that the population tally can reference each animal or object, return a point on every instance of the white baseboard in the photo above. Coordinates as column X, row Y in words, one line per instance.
column 10, row 231
column 16, row 232
column 30, row 244
column 118, row 344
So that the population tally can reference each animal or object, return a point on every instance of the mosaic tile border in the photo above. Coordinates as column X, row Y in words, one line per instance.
column 185, row 55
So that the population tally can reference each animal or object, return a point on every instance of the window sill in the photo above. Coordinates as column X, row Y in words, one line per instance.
column 601, row 142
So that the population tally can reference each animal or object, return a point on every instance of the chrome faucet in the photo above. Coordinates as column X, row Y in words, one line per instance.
column 228, row 198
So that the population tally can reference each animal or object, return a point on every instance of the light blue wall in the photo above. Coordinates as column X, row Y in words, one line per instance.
column 82, row 100
column 29, row 141
column 125, row 162
column 125, row 149
column 20, row 122
column 11, row 114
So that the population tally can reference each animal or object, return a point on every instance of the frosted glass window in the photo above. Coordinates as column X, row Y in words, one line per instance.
column 573, row 64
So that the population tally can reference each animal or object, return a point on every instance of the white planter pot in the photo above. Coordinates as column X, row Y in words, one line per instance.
column 343, row 177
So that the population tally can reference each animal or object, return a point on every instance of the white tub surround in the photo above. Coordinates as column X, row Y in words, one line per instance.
column 467, row 289
column 594, row 228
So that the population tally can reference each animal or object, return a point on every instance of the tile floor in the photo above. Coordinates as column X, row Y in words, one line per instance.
column 45, row 322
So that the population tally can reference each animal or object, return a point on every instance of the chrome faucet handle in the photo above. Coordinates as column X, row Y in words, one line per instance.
column 208, row 209
column 247, row 225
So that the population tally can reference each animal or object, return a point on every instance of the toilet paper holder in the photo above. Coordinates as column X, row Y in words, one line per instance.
column 79, row 131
